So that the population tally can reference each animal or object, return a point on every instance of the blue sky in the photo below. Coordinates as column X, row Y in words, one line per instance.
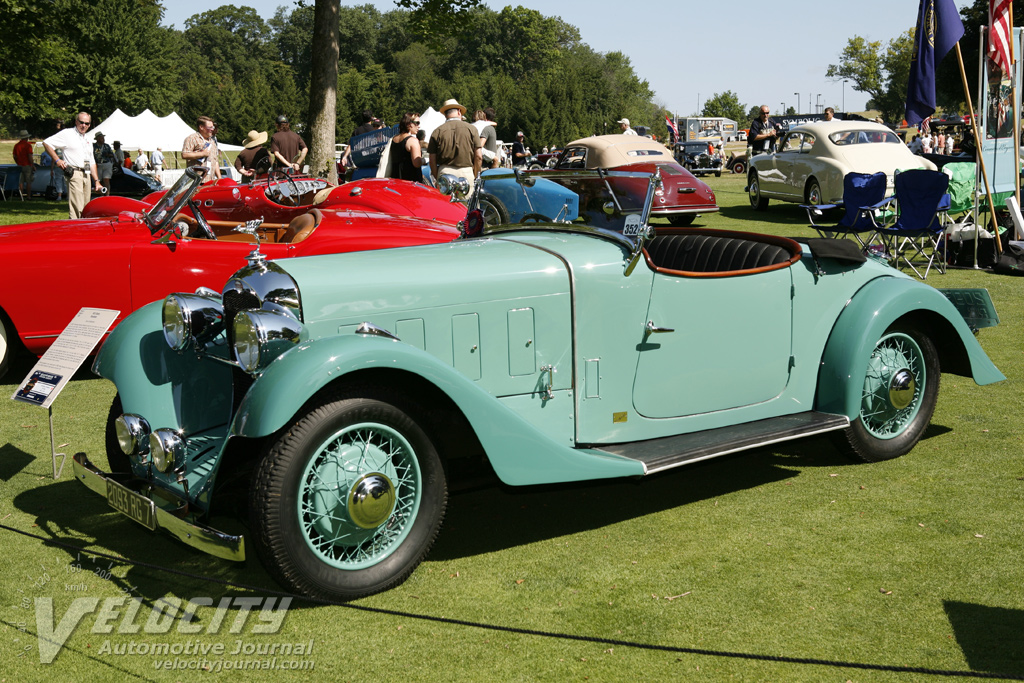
column 765, row 52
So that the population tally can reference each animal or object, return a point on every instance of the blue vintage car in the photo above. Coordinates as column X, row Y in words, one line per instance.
column 342, row 391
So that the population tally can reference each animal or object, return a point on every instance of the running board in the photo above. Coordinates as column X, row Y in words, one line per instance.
column 673, row 451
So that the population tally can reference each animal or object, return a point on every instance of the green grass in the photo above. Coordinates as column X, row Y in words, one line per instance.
column 785, row 551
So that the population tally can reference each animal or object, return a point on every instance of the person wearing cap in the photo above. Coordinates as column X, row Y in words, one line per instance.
column 286, row 145
column 455, row 145
column 624, row 124
column 23, row 158
column 519, row 152
column 250, row 158
column 103, row 155
column 76, row 161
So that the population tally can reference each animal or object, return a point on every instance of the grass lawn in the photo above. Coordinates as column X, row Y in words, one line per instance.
column 790, row 551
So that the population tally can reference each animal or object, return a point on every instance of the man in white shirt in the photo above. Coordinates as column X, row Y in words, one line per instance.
column 76, row 162
column 624, row 124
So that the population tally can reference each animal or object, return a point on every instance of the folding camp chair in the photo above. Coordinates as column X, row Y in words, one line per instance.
column 860, row 190
column 963, row 194
column 917, row 234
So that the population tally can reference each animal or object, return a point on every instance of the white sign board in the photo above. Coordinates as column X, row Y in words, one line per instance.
column 62, row 360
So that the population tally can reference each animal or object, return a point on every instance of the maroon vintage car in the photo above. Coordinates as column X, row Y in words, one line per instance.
column 126, row 253
column 683, row 197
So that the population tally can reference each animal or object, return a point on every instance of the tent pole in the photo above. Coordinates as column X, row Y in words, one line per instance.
column 981, row 157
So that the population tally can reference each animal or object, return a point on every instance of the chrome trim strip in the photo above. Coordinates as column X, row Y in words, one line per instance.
column 205, row 539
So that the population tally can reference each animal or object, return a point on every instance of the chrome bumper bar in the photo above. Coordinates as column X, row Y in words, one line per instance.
column 202, row 538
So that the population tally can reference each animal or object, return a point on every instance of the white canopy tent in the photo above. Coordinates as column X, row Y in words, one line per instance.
column 147, row 131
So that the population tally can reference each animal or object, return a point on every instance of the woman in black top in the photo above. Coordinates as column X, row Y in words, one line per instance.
column 406, row 153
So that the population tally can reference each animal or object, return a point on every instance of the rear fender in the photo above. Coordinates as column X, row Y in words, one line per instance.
column 518, row 452
column 871, row 311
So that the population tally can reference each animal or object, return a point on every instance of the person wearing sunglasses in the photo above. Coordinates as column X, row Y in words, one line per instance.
column 72, row 149
column 406, row 154
column 762, row 132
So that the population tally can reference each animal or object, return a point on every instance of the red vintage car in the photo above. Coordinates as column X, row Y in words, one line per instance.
column 683, row 197
column 129, row 253
column 280, row 197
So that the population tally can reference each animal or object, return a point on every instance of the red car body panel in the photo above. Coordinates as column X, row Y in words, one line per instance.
column 50, row 270
column 682, row 192
column 227, row 200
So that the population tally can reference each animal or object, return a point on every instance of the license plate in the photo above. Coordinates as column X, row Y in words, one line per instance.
column 129, row 503
column 975, row 305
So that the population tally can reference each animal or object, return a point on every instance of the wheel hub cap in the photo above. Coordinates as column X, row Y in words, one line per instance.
column 901, row 389
column 371, row 500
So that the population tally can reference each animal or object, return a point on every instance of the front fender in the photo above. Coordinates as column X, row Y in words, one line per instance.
column 865, row 319
column 519, row 453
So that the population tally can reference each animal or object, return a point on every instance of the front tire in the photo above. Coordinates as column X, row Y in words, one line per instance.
column 349, row 499
column 898, row 397
column 117, row 461
column 757, row 201
column 493, row 210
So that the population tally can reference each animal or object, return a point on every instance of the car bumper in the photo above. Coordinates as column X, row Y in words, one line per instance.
column 202, row 538
column 662, row 211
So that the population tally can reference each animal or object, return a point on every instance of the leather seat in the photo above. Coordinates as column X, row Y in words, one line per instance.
column 303, row 226
column 713, row 254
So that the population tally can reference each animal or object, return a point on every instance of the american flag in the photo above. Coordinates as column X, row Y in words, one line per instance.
column 999, row 48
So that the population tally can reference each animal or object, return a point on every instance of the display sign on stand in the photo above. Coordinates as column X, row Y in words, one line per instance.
column 59, row 364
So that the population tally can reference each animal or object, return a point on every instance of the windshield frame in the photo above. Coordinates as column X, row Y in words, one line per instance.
column 526, row 179
column 162, row 214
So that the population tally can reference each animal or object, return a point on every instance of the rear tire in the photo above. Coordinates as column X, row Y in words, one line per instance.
column 813, row 194
column 681, row 220
column 349, row 498
column 493, row 209
column 7, row 338
column 898, row 397
column 739, row 168
column 759, row 202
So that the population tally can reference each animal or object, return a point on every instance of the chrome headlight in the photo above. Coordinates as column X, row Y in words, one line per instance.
column 261, row 336
column 132, row 434
column 191, row 319
column 456, row 186
column 168, row 449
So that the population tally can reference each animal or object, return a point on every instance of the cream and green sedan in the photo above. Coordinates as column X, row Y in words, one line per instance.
column 811, row 160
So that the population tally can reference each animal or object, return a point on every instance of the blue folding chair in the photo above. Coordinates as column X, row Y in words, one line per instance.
column 860, row 190
column 917, row 234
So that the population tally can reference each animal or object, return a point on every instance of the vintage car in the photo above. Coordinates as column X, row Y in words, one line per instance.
column 279, row 197
column 682, row 196
column 338, row 394
column 130, row 253
column 737, row 163
column 812, row 159
column 698, row 157
column 123, row 182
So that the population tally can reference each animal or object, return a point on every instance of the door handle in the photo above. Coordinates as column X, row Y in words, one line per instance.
column 651, row 328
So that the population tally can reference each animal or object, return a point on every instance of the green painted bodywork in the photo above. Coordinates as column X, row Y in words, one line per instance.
column 484, row 319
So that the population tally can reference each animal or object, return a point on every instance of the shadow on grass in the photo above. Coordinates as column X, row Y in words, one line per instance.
column 67, row 512
column 12, row 461
column 988, row 636
column 502, row 517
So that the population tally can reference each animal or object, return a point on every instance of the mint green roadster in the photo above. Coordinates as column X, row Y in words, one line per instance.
column 340, row 393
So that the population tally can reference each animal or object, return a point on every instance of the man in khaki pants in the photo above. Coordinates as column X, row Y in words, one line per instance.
column 76, row 162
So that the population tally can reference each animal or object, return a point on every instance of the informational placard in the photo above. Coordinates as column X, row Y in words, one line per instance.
column 62, row 360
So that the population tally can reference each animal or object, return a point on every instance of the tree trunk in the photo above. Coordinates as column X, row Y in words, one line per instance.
column 323, row 89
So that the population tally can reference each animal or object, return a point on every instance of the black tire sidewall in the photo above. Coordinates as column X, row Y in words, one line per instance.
column 857, row 440
column 117, row 461
column 285, row 551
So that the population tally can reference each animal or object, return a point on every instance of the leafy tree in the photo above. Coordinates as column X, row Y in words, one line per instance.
column 433, row 21
column 754, row 112
column 725, row 104
column 881, row 73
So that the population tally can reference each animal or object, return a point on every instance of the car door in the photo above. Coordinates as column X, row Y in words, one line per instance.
column 714, row 343
column 779, row 180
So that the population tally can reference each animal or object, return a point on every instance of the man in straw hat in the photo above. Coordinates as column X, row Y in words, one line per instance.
column 249, row 159
column 23, row 158
column 455, row 145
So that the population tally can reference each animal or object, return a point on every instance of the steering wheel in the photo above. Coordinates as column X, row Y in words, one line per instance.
column 538, row 217
column 203, row 227
column 293, row 199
